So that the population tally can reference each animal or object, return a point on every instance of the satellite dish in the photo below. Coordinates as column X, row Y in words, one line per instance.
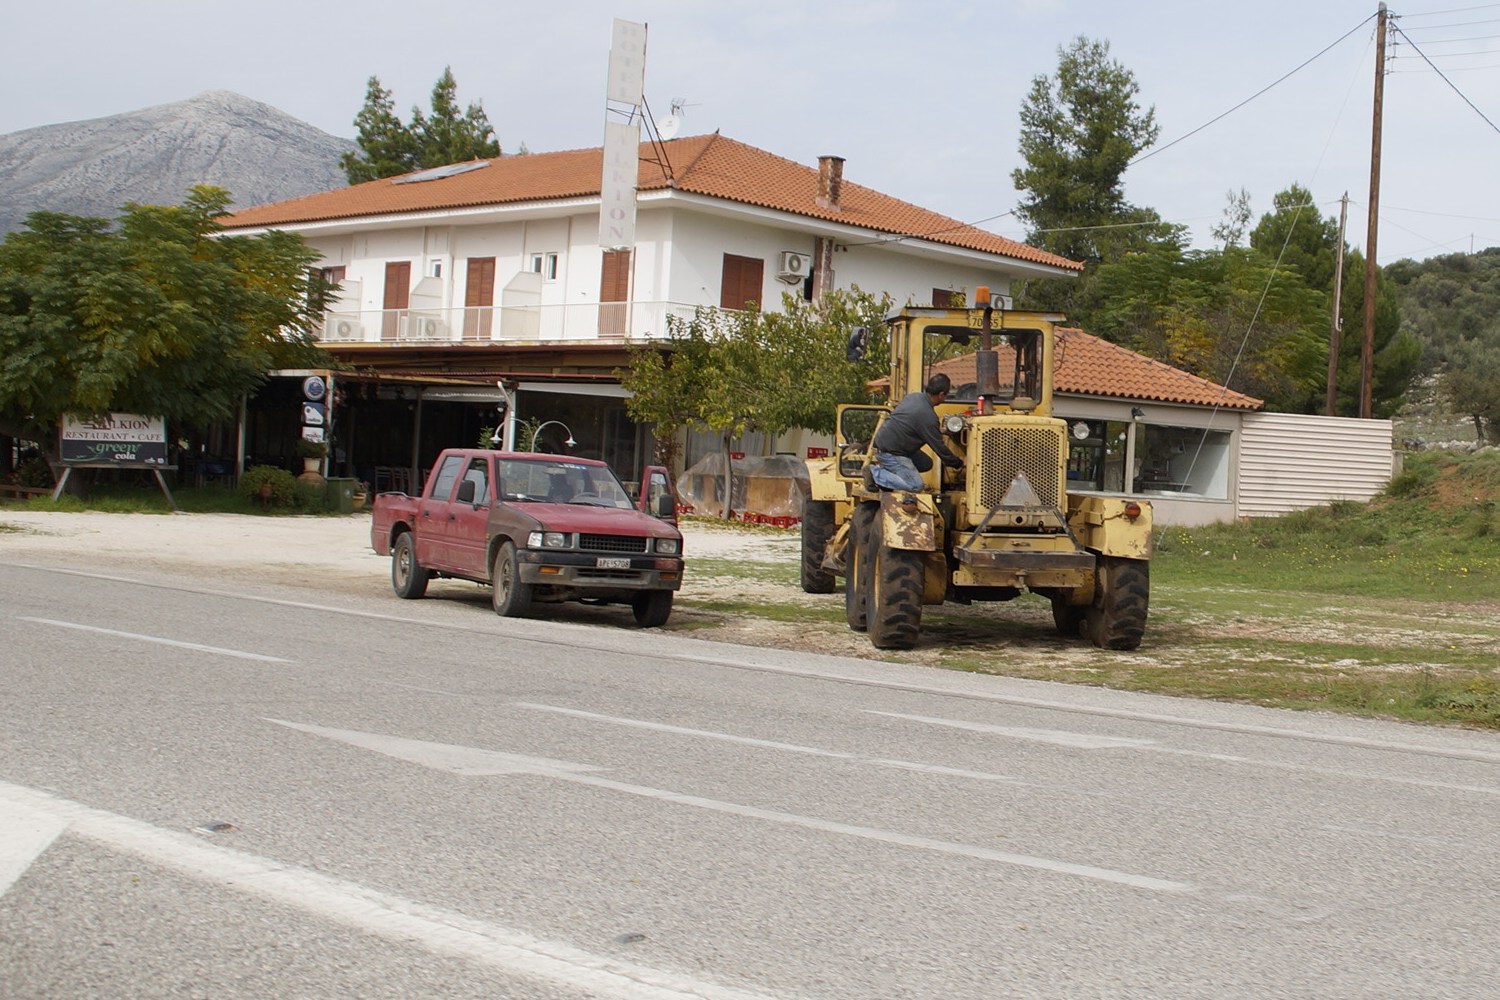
column 669, row 126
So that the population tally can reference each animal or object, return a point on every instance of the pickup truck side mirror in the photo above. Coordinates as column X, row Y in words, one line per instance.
column 466, row 491
column 665, row 506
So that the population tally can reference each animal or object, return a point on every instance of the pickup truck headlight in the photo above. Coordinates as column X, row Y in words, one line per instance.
column 666, row 546
column 547, row 540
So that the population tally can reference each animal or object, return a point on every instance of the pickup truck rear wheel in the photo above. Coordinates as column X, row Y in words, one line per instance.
column 652, row 608
column 408, row 578
column 510, row 596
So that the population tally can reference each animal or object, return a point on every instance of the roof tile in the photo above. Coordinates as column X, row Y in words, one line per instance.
column 1091, row 366
column 709, row 165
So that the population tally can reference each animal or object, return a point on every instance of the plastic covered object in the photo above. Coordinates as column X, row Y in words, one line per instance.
column 761, row 487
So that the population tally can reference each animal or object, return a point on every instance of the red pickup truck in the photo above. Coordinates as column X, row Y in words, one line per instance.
column 536, row 528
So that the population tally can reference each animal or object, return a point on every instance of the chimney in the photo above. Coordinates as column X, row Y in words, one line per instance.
column 830, row 181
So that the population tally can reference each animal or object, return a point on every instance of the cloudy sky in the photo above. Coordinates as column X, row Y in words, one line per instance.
column 921, row 97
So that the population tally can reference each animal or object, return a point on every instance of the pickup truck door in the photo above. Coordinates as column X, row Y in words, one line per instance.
column 656, row 483
column 468, row 519
column 433, row 547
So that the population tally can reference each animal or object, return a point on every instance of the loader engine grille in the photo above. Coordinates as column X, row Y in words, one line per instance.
column 1007, row 450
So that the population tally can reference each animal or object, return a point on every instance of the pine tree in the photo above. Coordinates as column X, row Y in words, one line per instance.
column 447, row 135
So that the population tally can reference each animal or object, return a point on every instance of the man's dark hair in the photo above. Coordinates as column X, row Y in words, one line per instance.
column 938, row 383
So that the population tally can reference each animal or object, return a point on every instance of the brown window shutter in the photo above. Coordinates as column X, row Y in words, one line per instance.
column 743, row 280
column 397, row 297
column 942, row 298
column 479, row 297
column 614, row 293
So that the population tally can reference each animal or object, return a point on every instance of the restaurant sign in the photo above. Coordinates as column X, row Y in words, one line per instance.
column 114, row 438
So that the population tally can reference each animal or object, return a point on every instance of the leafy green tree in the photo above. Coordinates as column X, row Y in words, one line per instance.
column 1230, row 230
column 1079, row 131
column 159, row 314
column 736, row 372
column 1295, row 233
column 1470, row 384
column 446, row 135
column 387, row 147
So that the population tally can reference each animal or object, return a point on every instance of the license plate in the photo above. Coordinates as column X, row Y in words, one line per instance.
column 613, row 562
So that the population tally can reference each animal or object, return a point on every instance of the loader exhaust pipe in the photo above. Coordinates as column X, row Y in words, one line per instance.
column 986, row 359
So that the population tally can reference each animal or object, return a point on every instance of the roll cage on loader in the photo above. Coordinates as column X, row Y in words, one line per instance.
column 1000, row 525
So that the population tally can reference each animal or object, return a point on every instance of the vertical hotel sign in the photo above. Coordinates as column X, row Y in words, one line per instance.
column 622, row 140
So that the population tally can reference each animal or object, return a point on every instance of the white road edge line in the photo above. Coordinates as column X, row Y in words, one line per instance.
column 395, row 918
column 217, row 650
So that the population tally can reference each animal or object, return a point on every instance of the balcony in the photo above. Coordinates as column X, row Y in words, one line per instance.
column 585, row 322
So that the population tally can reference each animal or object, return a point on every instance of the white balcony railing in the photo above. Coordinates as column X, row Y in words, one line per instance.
column 609, row 321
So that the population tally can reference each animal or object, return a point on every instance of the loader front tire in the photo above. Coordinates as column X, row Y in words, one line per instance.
column 1122, row 596
column 895, row 611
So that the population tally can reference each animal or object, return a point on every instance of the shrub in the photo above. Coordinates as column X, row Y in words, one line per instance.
column 282, row 487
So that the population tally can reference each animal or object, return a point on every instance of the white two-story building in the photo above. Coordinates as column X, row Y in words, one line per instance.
column 456, row 280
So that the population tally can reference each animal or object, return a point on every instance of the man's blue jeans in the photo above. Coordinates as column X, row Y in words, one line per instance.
column 896, row 472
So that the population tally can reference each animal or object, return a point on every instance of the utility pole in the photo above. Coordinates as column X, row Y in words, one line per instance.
column 1338, row 313
column 1367, row 351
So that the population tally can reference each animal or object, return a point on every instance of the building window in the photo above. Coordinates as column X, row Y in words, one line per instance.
column 743, row 283
column 435, row 268
column 545, row 264
column 1163, row 460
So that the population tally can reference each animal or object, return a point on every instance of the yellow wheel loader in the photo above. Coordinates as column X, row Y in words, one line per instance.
column 999, row 526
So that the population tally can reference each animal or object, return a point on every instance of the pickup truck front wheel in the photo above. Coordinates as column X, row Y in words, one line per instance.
column 652, row 608
column 510, row 595
column 408, row 578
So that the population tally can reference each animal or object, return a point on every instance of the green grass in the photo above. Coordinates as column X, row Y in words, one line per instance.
column 1386, row 609
column 141, row 499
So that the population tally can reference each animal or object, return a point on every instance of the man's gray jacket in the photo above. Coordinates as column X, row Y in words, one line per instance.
column 912, row 424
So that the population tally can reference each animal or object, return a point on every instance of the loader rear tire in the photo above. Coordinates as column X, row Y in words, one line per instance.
column 857, row 566
column 817, row 532
column 895, row 612
column 1122, row 596
column 1068, row 618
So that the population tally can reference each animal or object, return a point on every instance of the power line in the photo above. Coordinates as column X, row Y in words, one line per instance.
column 1258, row 93
column 1417, row 49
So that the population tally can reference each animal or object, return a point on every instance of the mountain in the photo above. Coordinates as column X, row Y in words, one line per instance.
column 154, row 155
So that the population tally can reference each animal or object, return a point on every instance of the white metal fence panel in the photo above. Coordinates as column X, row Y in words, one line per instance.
column 1291, row 461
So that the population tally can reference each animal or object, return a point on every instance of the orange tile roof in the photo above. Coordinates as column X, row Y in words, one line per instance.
column 709, row 165
column 1090, row 366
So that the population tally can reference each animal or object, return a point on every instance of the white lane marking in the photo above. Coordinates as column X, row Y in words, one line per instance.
column 1151, row 746
column 217, row 650
column 828, row 674
column 24, row 835
column 662, row 727
column 467, row 761
column 418, row 752
column 1055, row 737
column 394, row 918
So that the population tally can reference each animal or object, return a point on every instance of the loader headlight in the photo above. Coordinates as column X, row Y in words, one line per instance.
column 953, row 423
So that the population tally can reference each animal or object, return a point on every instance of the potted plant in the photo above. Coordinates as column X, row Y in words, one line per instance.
column 311, row 452
column 361, row 494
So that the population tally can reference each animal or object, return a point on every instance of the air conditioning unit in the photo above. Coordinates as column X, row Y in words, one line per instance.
column 425, row 328
column 793, row 266
column 343, row 329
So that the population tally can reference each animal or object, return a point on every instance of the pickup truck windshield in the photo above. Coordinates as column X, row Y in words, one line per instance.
column 559, row 481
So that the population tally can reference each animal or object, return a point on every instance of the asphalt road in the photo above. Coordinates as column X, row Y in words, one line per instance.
column 216, row 789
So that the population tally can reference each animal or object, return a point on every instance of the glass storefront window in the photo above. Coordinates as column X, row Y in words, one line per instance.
column 1186, row 460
